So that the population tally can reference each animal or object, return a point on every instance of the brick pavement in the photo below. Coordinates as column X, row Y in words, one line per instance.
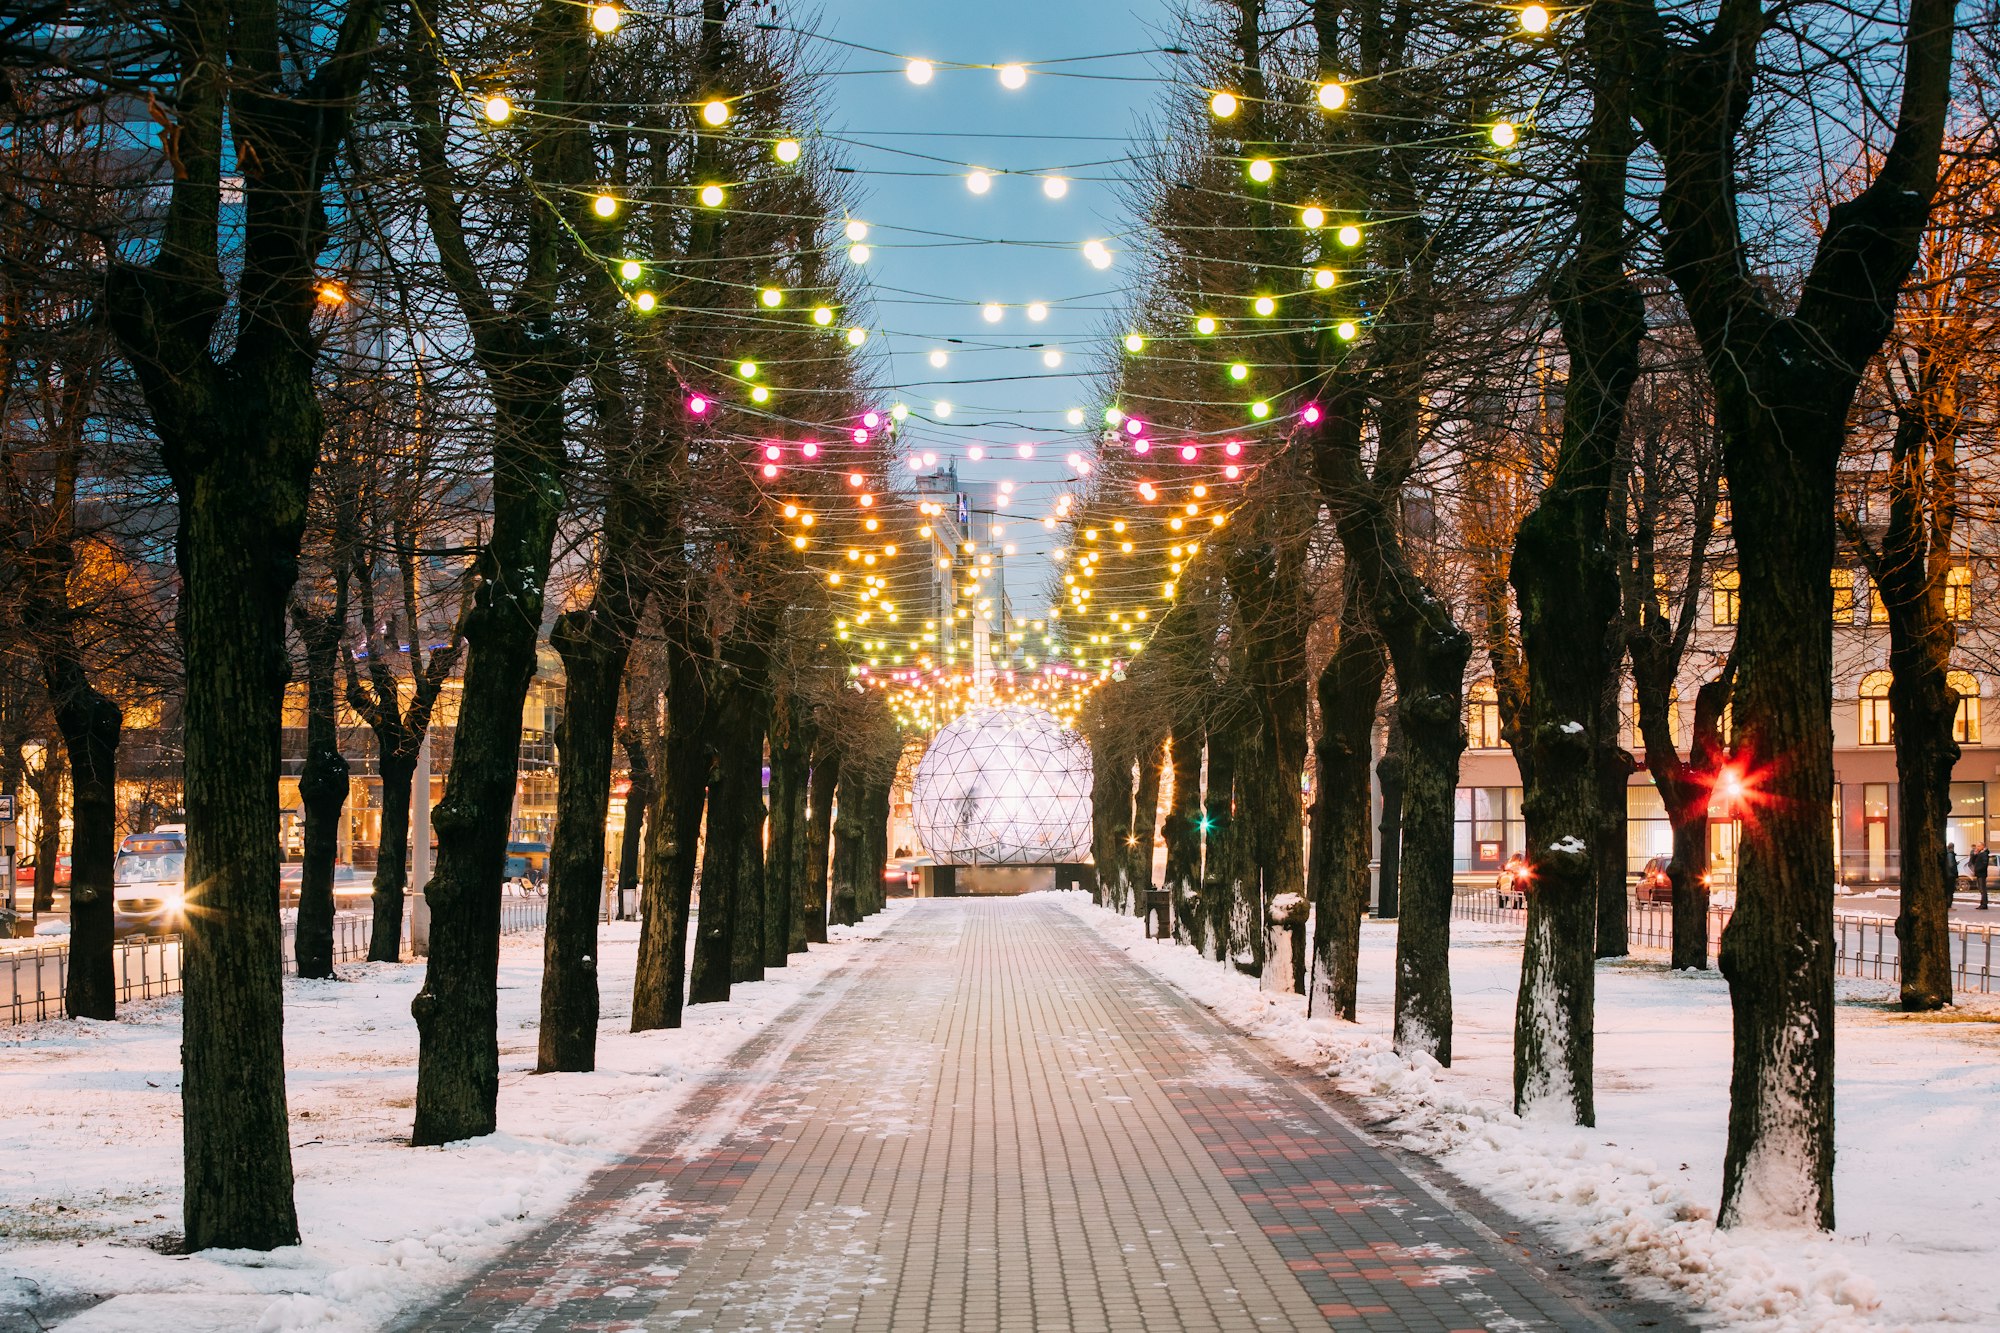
column 994, row 1121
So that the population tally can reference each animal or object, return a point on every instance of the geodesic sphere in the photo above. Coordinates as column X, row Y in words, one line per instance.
column 1004, row 786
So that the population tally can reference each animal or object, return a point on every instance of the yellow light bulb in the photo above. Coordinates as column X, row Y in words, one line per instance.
column 1266, row 306
column 977, row 181
column 1205, row 325
column 747, row 369
column 1261, row 170
column 1332, row 96
column 712, row 196
column 1346, row 330
column 760, row 394
column 860, row 254
column 1223, row 105
column 1350, row 235
column 855, row 337
column 645, row 301
column 606, row 18
column 1134, row 343
column 1239, row 372
column 822, row 316
column 715, row 111
column 787, row 150
column 604, row 206
column 1503, row 134
column 1324, row 278
column 1534, row 19
column 1312, row 217
column 498, row 109
column 771, row 296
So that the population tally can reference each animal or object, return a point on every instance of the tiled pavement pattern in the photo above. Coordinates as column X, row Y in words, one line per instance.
column 992, row 1122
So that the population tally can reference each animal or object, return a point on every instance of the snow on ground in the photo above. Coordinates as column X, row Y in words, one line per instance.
column 90, row 1146
column 1918, row 1245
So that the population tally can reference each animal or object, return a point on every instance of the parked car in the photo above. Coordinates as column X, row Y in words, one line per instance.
column 149, row 882
column 24, row 873
column 1511, row 885
column 349, row 885
column 1654, row 885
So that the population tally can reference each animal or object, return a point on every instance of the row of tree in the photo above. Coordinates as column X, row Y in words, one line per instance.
column 371, row 347
column 1469, row 436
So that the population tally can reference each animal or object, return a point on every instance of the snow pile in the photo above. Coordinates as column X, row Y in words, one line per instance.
column 1917, row 1248
column 90, row 1142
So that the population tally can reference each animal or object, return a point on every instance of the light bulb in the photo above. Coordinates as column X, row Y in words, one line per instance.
column 857, row 230
column 940, row 410
column 498, row 109
column 712, row 196
column 715, row 111
column 1134, row 343
column 822, row 316
column 860, row 254
column 1312, row 217
column 1261, row 170
column 760, row 394
column 747, row 369
column 771, row 297
column 787, row 150
column 1260, row 410
column 975, row 453
column 991, row 312
column 1266, row 306
column 604, row 206
column 1097, row 253
column 856, row 337
column 630, row 270
column 1350, row 235
column 1052, row 358
column 1534, row 19
column 1324, row 278
column 1503, row 134
column 1074, row 416
column 1239, row 372
column 919, row 72
column 1037, row 311
column 1205, row 325
column 977, row 181
column 1346, row 330
column 1055, row 187
column 1332, row 96
column 605, row 18
column 1013, row 77
column 938, row 359
column 646, row 301
column 899, row 411
column 1223, row 105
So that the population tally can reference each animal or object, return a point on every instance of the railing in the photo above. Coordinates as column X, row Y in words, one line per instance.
column 33, row 981
column 1865, row 944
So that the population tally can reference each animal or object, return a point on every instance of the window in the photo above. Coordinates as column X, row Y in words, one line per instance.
column 1958, row 593
column 1660, row 595
column 1965, row 723
column 1482, row 716
column 1843, row 597
column 1728, row 583
column 1877, row 725
column 1878, row 610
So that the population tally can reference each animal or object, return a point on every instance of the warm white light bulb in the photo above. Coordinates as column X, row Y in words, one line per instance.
column 712, row 195
column 1350, row 235
column 787, row 150
column 644, row 300
column 1266, row 306
column 771, row 297
column 1534, row 19
column 1013, row 77
column 606, row 18
column 1503, row 134
column 940, row 410
column 1312, row 217
column 977, row 181
column 498, row 109
column 1134, row 343
column 1261, row 170
column 991, row 312
column 715, row 111
column 604, row 206
column 1037, row 311
column 857, row 230
column 1052, row 358
column 1074, row 416
column 822, row 316
column 1223, row 105
column 1205, row 325
column 860, row 254
column 939, row 359
column 1324, row 278
column 919, row 72
column 630, row 270
column 1055, row 187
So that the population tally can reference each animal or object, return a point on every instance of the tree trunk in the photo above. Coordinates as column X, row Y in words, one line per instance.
column 1110, row 814
column 392, row 870
column 784, row 859
column 1182, row 879
column 1350, row 689
column 672, row 844
column 876, row 895
column 813, row 904
column 1389, row 833
column 1614, row 771
column 850, row 846
column 91, row 725
column 46, row 782
column 323, row 785
column 1145, row 823
column 457, row 1012
column 593, row 644
column 1219, row 857
column 638, row 798
column 735, row 821
column 1687, row 875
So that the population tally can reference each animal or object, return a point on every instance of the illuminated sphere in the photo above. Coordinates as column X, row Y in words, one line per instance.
column 1004, row 786
column 1535, row 19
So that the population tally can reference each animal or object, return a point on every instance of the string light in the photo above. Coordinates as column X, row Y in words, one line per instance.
column 919, row 72
column 1013, row 77
column 1223, row 105
column 1261, row 170
column 860, row 254
column 1324, row 278
column 605, row 206
column 1134, row 343
column 1055, row 187
column 822, row 316
column 1346, row 330
column 941, row 410
column 1266, row 306
column 1332, row 96
column 1037, row 311
column 1349, row 235
column 1503, row 134
column 787, row 150
column 938, row 359
column 498, row 109
column 856, row 337
column 1052, row 358
column 1534, row 19
column 631, row 270
column 606, row 18
column 1098, row 254
column 1239, row 372
column 1205, row 325
column 712, row 196
column 747, row 369
column 1312, row 217
column 771, row 297
column 978, row 181
column 991, row 312
column 715, row 111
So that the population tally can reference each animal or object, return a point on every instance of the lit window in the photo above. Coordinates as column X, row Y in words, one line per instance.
column 1877, row 723
column 1728, row 586
column 1843, row 597
column 1965, row 722
column 1958, row 593
column 1878, row 610
column 1482, row 716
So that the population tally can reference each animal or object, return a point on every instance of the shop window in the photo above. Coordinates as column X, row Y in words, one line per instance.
column 1727, row 588
column 1965, row 722
column 1877, row 723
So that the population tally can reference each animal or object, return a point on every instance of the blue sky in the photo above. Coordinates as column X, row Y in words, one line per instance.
column 940, row 252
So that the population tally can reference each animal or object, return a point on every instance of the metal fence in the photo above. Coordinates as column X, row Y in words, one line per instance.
column 33, row 980
column 1864, row 943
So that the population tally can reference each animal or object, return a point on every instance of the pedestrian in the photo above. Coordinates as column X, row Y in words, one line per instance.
column 1950, row 873
column 1982, row 861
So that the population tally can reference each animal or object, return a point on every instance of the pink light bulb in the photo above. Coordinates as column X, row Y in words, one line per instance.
column 1188, row 452
column 809, row 449
column 860, row 435
column 771, row 451
column 1135, row 426
column 697, row 404
column 1141, row 447
column 1233, row 448
column 1232, row 472
column 975, row 453
column 1025, row 450
column 1311, row 414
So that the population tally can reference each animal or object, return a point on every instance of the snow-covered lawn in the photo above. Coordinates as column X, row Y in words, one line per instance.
column 90, row 1146
column 1917, row 1183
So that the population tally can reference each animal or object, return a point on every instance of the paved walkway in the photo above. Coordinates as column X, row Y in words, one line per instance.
column 995, row 1121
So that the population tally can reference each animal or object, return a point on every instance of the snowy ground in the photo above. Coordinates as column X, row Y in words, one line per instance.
column 1919, row 1241
column 90, row 1142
